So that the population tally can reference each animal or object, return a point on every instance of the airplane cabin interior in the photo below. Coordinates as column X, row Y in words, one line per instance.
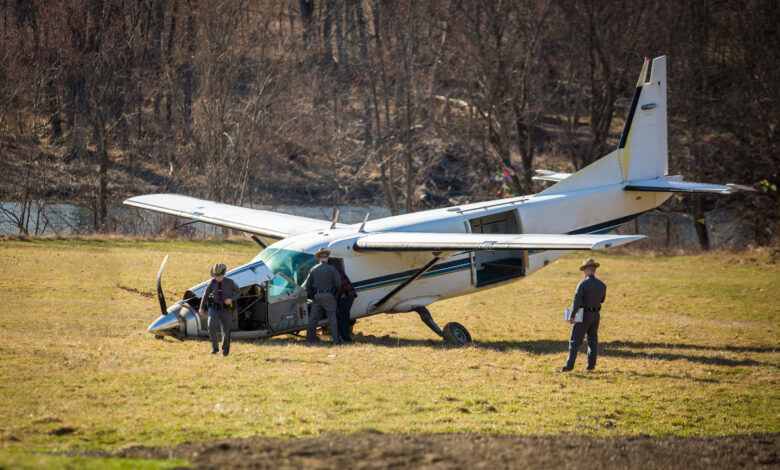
column 497, row 266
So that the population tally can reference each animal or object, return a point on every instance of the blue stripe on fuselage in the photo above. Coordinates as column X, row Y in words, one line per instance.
column 397, row 278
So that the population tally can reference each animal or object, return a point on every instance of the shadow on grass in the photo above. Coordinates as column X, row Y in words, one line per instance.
column 631, row 344
column 624, row 349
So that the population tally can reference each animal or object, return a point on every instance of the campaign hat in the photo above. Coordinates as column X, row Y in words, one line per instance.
column 589, row 262
column 219, row 269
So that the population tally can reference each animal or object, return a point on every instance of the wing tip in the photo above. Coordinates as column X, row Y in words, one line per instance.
column 616, row 241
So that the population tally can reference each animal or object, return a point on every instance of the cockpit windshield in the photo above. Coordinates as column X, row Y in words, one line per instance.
column 294, row 264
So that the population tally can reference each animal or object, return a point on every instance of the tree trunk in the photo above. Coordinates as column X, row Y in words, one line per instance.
column 327, row 30
column 342, row 53
column 361, row 21
column 52, row 98
column 406, row 37
column 387, row 171
column 189, row 74
column 700, row 223
column 165, row 84
column 307, row 12
column 101, row 203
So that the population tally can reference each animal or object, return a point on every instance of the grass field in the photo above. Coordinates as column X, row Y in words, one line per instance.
column 690, row 345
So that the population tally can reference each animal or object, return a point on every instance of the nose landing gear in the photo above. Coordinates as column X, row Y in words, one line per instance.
column 453, row 333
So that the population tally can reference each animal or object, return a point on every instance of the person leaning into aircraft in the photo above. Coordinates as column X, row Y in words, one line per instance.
column 345, row 301
column 219, row 296
column 323, row 286
column 590, row 294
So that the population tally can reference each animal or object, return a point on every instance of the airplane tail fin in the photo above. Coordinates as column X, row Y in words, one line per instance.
column 642, row 152
column 643, row 146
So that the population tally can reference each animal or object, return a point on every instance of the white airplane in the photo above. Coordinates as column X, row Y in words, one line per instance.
column 406, row 262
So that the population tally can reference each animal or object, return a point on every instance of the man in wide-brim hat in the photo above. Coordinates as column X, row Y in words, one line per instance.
column 219, row 297
column 323, row 286
column 589, row 296
column 589, row 262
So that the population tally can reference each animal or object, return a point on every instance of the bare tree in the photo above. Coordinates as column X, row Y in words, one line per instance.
column 506, row 44
column 605, row 39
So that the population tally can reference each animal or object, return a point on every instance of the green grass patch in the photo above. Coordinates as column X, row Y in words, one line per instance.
column 690, row 345
column 26, row 460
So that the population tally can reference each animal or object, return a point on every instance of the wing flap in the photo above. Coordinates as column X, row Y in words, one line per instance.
column 547, row 175
column 254, row 221
column 674, row 184
column 427, row 241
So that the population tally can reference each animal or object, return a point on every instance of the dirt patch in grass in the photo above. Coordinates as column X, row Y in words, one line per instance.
column 452, row 451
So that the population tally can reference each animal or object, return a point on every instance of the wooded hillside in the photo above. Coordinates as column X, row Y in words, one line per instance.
column 399, row 102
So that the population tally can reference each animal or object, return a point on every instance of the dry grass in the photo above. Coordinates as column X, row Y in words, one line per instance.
column 689, row 346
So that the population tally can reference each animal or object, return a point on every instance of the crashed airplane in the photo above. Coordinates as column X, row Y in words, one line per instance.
column 405, row 263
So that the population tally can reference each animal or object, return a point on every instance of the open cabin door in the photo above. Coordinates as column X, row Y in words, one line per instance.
column 496, row 266
column 287, row 304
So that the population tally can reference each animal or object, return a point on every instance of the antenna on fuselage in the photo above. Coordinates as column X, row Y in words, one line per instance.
column 363, row 225
column 335, row 217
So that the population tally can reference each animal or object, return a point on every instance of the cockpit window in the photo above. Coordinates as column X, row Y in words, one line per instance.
column 280, row 286
column 294, row 264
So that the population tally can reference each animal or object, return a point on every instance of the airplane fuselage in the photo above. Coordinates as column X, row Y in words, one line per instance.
column 375, row 274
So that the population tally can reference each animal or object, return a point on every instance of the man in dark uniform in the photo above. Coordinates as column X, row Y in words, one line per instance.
column 590, row 294
column 220, row 297
column 348, row 295
column 324, row 286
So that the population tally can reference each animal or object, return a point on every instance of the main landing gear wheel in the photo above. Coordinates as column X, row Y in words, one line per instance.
column 455, row 333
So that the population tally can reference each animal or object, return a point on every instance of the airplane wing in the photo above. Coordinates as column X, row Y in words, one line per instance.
column 675, row 184
column 428, row 241
column 254, row 221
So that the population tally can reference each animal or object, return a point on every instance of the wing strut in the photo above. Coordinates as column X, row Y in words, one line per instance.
column 258, row 241
column 411, row 279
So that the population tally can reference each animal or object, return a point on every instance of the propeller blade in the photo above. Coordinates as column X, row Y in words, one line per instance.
column 160, row 295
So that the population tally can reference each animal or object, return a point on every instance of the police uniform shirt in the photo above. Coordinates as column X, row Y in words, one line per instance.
column 323, row 277
column 230, row 291
column 590, row 293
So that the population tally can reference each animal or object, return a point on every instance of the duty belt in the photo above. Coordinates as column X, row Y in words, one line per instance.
column 214, row 304
column 320, row 291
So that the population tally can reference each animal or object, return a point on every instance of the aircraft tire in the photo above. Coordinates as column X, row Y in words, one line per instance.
column 455, row 333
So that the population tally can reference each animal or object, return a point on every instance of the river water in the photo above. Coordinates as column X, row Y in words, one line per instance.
column 70, row 219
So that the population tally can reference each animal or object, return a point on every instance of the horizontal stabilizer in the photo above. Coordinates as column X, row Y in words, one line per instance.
column 674, row 184
column 427, row 241
column 253, row 221
column 547, row 175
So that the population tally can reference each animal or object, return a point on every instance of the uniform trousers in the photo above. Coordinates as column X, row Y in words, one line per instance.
column 217, row 318
column 323, row 303
column 589, row 326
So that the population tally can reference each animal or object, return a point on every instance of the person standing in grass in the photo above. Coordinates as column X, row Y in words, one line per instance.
column 323, row 286
column 345, row 301
column 589, row 296
column 220, row 297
